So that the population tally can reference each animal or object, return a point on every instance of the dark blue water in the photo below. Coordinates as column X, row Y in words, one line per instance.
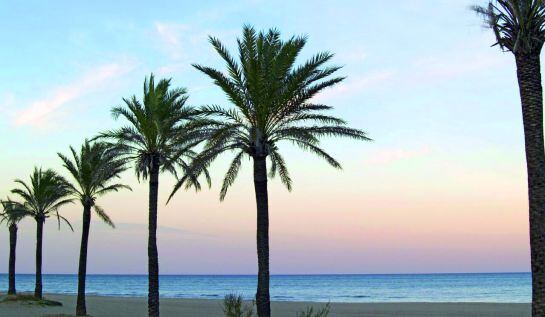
column 489, row 287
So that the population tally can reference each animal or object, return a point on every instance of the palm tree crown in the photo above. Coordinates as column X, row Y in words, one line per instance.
column 93, row 170
column 519, row 25
column 13, row 212
column 44, row 195
column 160, row 130
column 273, row 102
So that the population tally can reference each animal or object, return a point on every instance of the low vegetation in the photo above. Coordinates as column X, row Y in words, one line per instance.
column 28, row 299
column 233, row 306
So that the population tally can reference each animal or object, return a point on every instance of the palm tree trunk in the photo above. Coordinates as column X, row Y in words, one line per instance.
column 12, row 248
column 263, row 301
column 531, row 95
column 39, row 237
column 153, row 258
column 81, row 310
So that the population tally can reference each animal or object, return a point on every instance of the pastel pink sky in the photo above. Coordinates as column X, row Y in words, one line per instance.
column 440, row 189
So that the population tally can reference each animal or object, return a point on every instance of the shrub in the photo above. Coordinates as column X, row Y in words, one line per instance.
column 233, row 306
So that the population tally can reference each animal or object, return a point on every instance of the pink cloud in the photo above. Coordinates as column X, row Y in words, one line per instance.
column 40, row 111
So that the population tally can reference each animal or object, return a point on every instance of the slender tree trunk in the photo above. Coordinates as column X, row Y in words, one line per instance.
column 12, row 249
column 39, row 236
column 531, row 95
column 263, row 301
column 153, row 258
column 81, row 309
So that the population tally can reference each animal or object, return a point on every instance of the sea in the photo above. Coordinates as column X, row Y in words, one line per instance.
column 356, row 288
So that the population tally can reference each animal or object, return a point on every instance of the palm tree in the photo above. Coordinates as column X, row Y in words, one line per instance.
column 42, row 198
column 273, row 102
column 12, row 215
column 93, row 171
column 519, row 27
column 159, row 138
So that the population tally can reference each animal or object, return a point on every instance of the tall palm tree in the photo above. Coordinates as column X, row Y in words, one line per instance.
column 11, row 216
column 94, row 171
column 41, row 199
column 519, row 27
column 159, row 138
column 273, row 102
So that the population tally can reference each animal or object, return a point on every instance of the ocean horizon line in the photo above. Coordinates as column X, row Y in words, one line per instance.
column 283, row 274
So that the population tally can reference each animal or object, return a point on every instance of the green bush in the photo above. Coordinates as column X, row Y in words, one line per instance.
column 309, row 312
column 233, row 306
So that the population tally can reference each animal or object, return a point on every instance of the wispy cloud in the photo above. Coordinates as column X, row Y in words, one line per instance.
column 178, row 41
column 354, row 85
column 124, row 228
column 440, row 68
column 175, row 38
column 460, row 62
column 169, row 32
column 171, row 69
column 40, row 111
column 183, row 42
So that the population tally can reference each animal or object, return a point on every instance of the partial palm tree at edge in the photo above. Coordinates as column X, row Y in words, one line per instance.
column 519, row 27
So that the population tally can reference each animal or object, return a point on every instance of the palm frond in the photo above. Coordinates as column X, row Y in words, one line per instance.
column 280, row 165
column 59, row 218
column 103, row 216
column 231, row 174
column 518, row 25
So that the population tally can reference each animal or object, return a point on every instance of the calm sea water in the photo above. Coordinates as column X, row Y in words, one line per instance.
column 490, row 287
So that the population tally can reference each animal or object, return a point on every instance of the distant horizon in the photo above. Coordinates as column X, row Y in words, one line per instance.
column 288, row 274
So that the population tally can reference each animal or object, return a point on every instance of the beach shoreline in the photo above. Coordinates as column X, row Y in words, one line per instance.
column 110, row 306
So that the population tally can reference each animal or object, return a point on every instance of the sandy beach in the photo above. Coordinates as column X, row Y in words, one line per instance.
column 101, row 306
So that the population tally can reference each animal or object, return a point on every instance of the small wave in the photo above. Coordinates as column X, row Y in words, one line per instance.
column 359, row 296
column 210, row 295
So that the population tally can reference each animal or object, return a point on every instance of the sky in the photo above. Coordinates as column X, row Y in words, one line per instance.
column 440, row 189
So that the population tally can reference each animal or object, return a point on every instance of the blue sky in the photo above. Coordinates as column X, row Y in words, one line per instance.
column 422, row 80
